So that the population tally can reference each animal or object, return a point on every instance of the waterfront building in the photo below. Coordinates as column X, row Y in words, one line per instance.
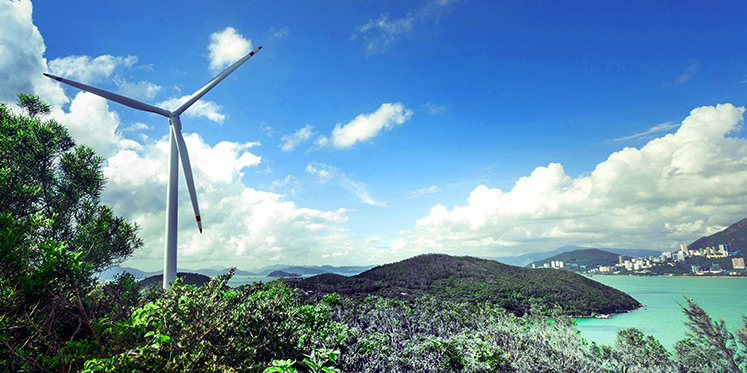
column 737, row 263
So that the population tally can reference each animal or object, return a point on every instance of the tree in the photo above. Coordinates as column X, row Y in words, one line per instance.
column 54, row 235
column 713, row 339
column 44, row 176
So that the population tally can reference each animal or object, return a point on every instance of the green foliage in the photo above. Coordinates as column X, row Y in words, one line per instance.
column 215, row 328
column 33, row 105
column 46, row 178
column 713, row 339
column 54, row 235
column 637, row 351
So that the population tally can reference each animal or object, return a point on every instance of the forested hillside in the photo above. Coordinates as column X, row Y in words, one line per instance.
column 468, row 279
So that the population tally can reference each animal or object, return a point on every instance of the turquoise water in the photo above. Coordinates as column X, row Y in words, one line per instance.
column 662, row 316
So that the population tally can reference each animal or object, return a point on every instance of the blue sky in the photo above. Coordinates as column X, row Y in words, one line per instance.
column 366, row 132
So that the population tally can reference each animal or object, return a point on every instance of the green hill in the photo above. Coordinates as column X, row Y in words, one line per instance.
column 187, row 279
column 588, row 258
column 468, row 279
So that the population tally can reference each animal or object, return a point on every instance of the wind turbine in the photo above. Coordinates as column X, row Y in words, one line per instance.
column 178, row 150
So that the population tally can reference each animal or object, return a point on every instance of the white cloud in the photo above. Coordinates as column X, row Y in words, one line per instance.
column 325, row 173
column 243, row 226
column 670, row 191
column 425, row 191
column 366, row 126
column 201, row 108
column 291, row 141
column 661, row 127
column 360, row 190
column 138, row 126
column 227, row 47
column 86, row 70
column 90, row 122
column 141, row 90
column 380, row 34
column 22, row 63
column 281, row 183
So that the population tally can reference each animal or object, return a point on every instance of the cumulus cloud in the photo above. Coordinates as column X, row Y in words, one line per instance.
column 22, row 49
column 241, row 223
column 366, row 126
column 325, row 173
column 90, row 122
column 202, row 108
column 88, row 70
column 380, row 34
column 668, row 192
column 227, row 47
column 291, row 141
column 141, row 90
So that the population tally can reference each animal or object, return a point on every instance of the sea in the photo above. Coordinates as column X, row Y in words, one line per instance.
column 662, row 317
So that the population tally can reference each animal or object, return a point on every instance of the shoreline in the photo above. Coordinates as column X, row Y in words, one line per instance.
column 693, row 276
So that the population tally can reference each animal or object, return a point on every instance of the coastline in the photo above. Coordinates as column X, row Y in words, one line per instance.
column 668, row 275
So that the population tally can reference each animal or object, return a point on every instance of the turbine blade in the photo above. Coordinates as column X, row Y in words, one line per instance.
column 202, row 91
column 187, row 167
column 135, row 104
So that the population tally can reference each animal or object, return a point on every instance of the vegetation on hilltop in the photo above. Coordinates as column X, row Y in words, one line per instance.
column 187, row 278
column 473, row 280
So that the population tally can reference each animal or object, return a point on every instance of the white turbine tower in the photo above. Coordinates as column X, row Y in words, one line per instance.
column 178, row 149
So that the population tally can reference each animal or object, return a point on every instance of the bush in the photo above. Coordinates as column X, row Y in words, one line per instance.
column 215, row 328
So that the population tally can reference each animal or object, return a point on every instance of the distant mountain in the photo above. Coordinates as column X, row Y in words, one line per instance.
column 217, row 271
column 588, row 258
column 312, row 270
column 188, row 278
column 280, row 273
column 735, row 235
column 526, row 259
column 111, row 273
column 468, row 279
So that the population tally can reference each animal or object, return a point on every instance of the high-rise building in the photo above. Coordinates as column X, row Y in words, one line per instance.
column 737, row 263
column 620, row 259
